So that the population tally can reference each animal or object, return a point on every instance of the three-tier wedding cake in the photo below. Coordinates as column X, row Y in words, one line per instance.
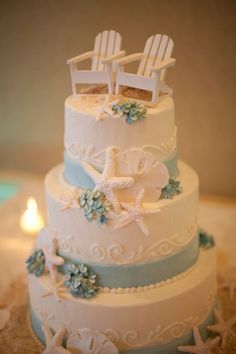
column 122, row 266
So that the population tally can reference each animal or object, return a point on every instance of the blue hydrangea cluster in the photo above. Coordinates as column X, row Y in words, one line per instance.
column 36, row 263
column 95, row 206
column 206, row 240
column 132, row 111
column 80, row 280
column 173, row 188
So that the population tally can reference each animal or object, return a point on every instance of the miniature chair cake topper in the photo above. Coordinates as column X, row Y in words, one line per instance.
column 154, row 61
column 107, row 47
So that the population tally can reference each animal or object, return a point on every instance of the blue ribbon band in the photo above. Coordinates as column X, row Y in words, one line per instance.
column 135, row 275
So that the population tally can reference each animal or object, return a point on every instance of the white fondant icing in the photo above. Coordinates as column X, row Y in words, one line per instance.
column 137, row 319
column 82, row 128
column 96, row 158
column 178, row 216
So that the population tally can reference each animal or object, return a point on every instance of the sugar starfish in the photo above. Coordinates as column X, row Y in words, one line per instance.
column 223, row 328
column 136, row 212
column 57, row 290
column 104, row 108
column 52, row 261
column 200, row 347
column 54, row 342
column 72, row 200
column 106, row 181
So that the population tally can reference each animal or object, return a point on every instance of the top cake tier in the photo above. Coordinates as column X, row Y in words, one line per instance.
column 91, row 127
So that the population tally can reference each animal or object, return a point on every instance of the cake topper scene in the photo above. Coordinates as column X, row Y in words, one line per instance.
column 108, row 64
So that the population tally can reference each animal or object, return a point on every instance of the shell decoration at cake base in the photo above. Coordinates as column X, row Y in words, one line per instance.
column 89, row 341
column 54, row 341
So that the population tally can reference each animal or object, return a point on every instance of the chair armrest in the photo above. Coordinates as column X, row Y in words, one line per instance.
column 129, row 58
column 112, row 57
column 164, row 64
column 80, row 57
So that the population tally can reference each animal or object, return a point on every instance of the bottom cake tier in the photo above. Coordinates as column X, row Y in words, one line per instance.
column 154, row 319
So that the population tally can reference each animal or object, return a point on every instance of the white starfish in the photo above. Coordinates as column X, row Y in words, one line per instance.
column 52, row 261
column 136, row 212
column 223, row 328
column 104, row 108
column 200, row 347
column 57, row 290
column 106, row 181
column 54, row 342
column 71, row 201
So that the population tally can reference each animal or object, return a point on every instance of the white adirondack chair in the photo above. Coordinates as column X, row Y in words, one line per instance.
column 106, row 48
column 154, row 61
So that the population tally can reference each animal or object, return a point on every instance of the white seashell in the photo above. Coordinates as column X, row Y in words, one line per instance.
column 148, row 172
column 4, row 317
column 87, row 341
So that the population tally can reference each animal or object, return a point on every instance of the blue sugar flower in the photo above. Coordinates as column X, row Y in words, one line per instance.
column 206, row 240
column 36, row 263
column 95, row 206
column 132, row 111
column 80, row 280
column 172, row 188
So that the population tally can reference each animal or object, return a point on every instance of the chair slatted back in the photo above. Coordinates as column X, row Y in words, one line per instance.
column 106, row 43
column 158, row 47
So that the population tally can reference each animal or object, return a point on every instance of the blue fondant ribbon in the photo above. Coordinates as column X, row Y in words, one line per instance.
column 74, row 173
column 135, row 275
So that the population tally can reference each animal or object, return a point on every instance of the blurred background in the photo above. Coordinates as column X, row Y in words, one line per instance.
column 36, row 38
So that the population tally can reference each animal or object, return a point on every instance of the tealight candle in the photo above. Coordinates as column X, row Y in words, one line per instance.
column 31, row 221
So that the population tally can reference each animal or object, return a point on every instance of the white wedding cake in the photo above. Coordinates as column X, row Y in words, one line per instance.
column 122, row 266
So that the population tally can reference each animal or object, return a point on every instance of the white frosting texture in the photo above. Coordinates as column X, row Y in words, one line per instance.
column 134, row 320
column 83, row 131
column 170, row 230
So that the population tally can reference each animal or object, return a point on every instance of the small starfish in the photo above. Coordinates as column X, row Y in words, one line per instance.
column 104, row 108
column 106, row 181
column 136, row 212
column 52, row 261
column 57, row 290
column 223, row 328
column 54, row 342
column 200, row 346
column 71, row 201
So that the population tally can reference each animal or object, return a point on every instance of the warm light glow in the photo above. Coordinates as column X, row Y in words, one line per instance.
column 31, row 221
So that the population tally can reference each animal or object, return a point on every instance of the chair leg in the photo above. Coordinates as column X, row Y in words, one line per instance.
column 155, row 94
column 156, row 88
column 74, row 89
column 117, row 90
column 110, row 83
column 73, row 84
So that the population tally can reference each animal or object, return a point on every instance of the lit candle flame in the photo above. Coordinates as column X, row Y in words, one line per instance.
column 31, row 221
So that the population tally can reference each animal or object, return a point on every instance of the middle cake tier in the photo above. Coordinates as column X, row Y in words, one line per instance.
column 172, row 244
